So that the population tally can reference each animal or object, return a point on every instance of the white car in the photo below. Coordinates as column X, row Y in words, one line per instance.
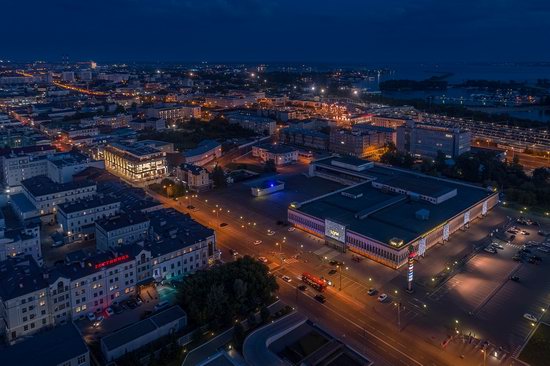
column 90, row 316
column 257, row 242
column 497, row 245
column 530, row 317
column 109, row 311
column 490, row 250
column 292, row 228
column 270, row 232
column 286, row 279
column 382, row 297
column 98, row 321
column 262, row 259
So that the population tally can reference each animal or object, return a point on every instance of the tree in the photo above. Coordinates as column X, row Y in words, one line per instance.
column 221, row 294
column 265, row 314
column 218, row 177
column 270, row 166
column 238, row 335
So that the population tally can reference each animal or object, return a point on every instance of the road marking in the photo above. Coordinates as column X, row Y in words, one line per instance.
column 368, row 332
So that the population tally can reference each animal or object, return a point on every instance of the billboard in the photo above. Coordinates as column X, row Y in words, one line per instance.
column 335, row 231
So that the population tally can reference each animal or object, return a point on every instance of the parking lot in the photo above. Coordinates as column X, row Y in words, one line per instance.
column 127, row 312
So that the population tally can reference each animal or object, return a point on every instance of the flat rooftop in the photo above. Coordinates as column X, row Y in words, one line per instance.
column 53, row 347
column 381, row 215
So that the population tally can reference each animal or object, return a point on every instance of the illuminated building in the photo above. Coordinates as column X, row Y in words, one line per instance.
column 195, row 178
column 383, row 210
column 362, row 140
column 280, row 154
column 137, row 164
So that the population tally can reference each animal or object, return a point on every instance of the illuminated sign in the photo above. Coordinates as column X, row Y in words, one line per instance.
column 335, row 231
column 484, row 208
column 410, row 271
column 109, row 262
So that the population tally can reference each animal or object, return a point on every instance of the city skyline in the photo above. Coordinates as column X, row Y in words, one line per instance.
column 277, row 31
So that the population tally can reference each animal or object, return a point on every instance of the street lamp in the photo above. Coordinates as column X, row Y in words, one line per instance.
column 339, row 267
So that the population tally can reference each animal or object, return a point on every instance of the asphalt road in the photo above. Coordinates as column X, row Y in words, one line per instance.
column 369, row 326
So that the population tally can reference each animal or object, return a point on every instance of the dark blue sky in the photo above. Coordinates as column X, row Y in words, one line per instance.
column 363, row 31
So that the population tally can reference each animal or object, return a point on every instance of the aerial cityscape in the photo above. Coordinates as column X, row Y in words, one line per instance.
column 275, row 183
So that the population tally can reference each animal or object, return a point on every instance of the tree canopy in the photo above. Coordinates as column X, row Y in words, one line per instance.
column 220, row 294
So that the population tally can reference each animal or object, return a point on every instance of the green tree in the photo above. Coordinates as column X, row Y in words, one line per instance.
column 265, row 314
column 218, row 177
column 270, row 166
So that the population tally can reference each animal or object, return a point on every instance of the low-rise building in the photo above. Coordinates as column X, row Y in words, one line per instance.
column 174, row 112
column 142, row 333
column 304, row 137
column 63, row 166
column 363, row 140
column 116, row 231
column 205, row 152
column 152, row 123
column 23, row 298
column 259, row 124
column 77, row 219
column 20, row 241
column 196, row 178
column 280, row 154
column 61, row 346
column 45, row 194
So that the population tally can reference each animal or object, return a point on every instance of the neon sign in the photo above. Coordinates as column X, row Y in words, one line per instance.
column 112, row 261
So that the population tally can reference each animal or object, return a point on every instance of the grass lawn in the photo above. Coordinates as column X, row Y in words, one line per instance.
column 537, row 351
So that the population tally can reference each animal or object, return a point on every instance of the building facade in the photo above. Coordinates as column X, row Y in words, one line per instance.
column 137, row 164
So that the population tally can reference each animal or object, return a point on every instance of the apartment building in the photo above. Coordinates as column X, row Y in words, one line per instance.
column 259, row 124
column 119, row 230
column 280, row 154
column 424, row 140
column 77, row 219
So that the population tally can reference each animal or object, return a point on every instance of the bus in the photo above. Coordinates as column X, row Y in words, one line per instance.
column 315, row 282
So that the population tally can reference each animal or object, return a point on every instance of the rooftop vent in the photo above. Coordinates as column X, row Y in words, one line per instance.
column 423, row 214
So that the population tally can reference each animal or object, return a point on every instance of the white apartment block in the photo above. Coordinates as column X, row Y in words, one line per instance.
column 123, row 229
column 44, row 194
column 77, row 219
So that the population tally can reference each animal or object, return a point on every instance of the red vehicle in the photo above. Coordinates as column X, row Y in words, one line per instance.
column 315, row 282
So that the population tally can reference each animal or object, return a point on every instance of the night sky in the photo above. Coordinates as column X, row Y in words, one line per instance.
column 359, row 31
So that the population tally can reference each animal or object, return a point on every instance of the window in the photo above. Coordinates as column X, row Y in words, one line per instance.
column 81, row 360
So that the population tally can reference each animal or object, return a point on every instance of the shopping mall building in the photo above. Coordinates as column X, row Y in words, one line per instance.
column 382, row 210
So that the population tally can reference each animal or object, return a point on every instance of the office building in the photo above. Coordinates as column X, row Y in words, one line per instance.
column 423, row 140
column 136, row 164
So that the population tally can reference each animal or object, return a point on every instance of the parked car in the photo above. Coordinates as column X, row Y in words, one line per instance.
column 497, row 246
column 98, row 321
column 382, row 297
column 262, row 259
column 233, row 252
column 515, row 278
column 223, row 224
column 291, row 229
column 286, row 279
column 302, row 287
column 257, row 242
column 516, row 258
column 490, row 250
column 332, row 271
column 322, row 299
column 90, row 316
column 530, row 317
column 372, row 291
column 109, row 311
column 270, row 232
